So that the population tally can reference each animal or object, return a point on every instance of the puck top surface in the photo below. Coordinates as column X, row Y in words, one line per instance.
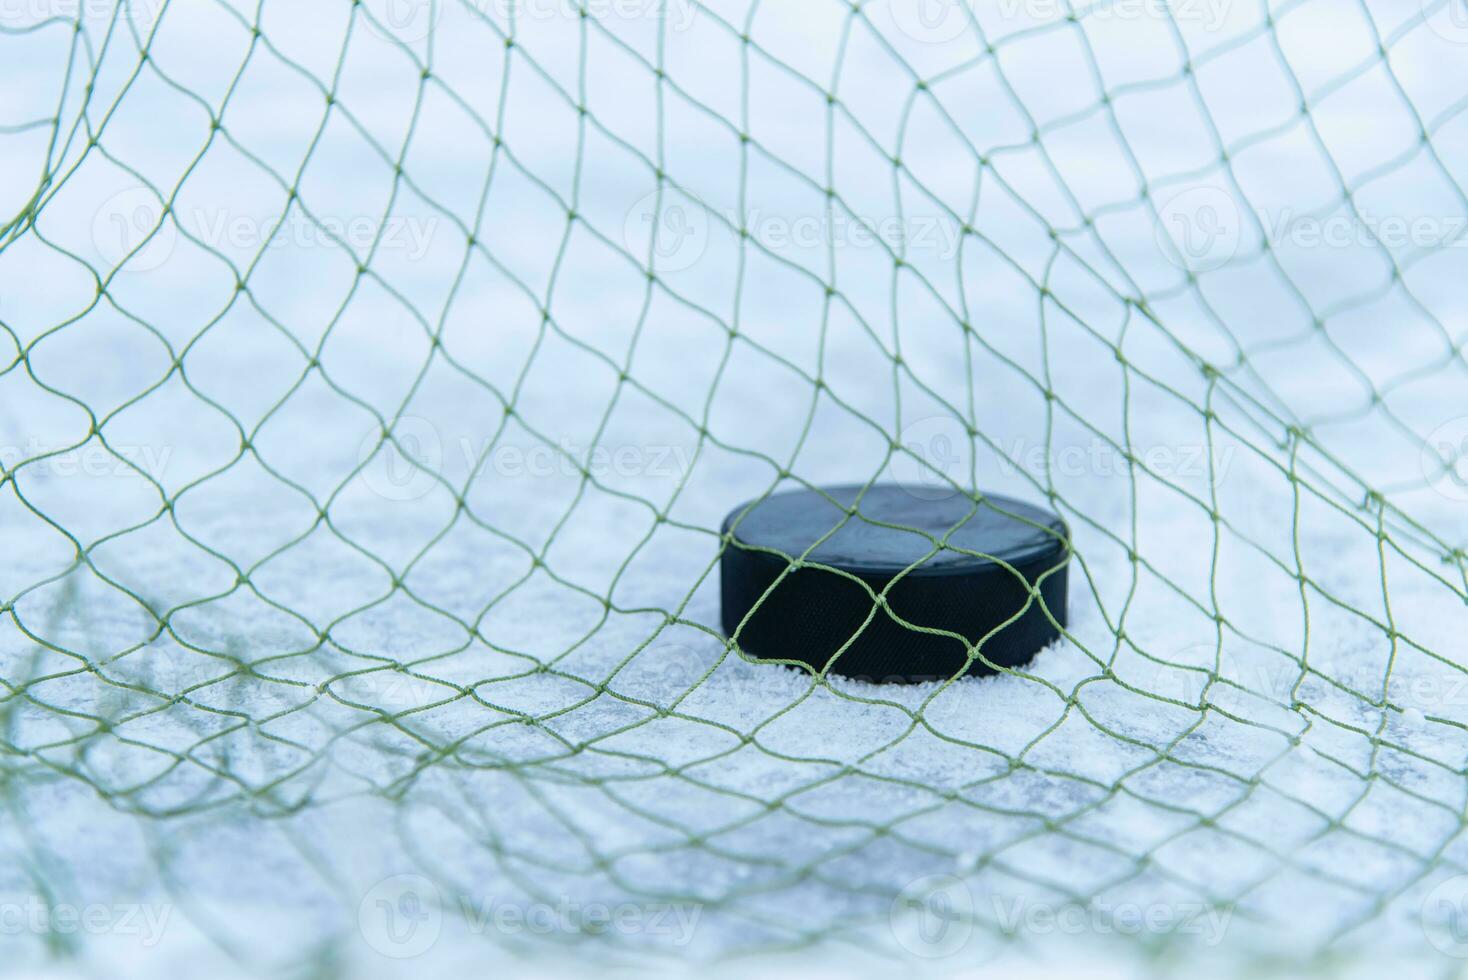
column 791, row 522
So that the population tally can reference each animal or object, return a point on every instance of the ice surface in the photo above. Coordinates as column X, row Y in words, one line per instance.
column 302, row 672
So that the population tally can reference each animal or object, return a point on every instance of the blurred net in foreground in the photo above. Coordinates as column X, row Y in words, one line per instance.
column 374, row 377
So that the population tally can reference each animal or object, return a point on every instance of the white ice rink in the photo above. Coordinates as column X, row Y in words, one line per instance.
column 278, row 695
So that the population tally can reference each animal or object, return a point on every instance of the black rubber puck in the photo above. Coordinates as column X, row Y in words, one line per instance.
column 821, row 613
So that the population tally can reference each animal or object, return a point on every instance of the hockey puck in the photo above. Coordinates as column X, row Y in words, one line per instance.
column 857, row 583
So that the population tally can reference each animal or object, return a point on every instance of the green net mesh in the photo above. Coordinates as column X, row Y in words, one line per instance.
column 374, row 378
